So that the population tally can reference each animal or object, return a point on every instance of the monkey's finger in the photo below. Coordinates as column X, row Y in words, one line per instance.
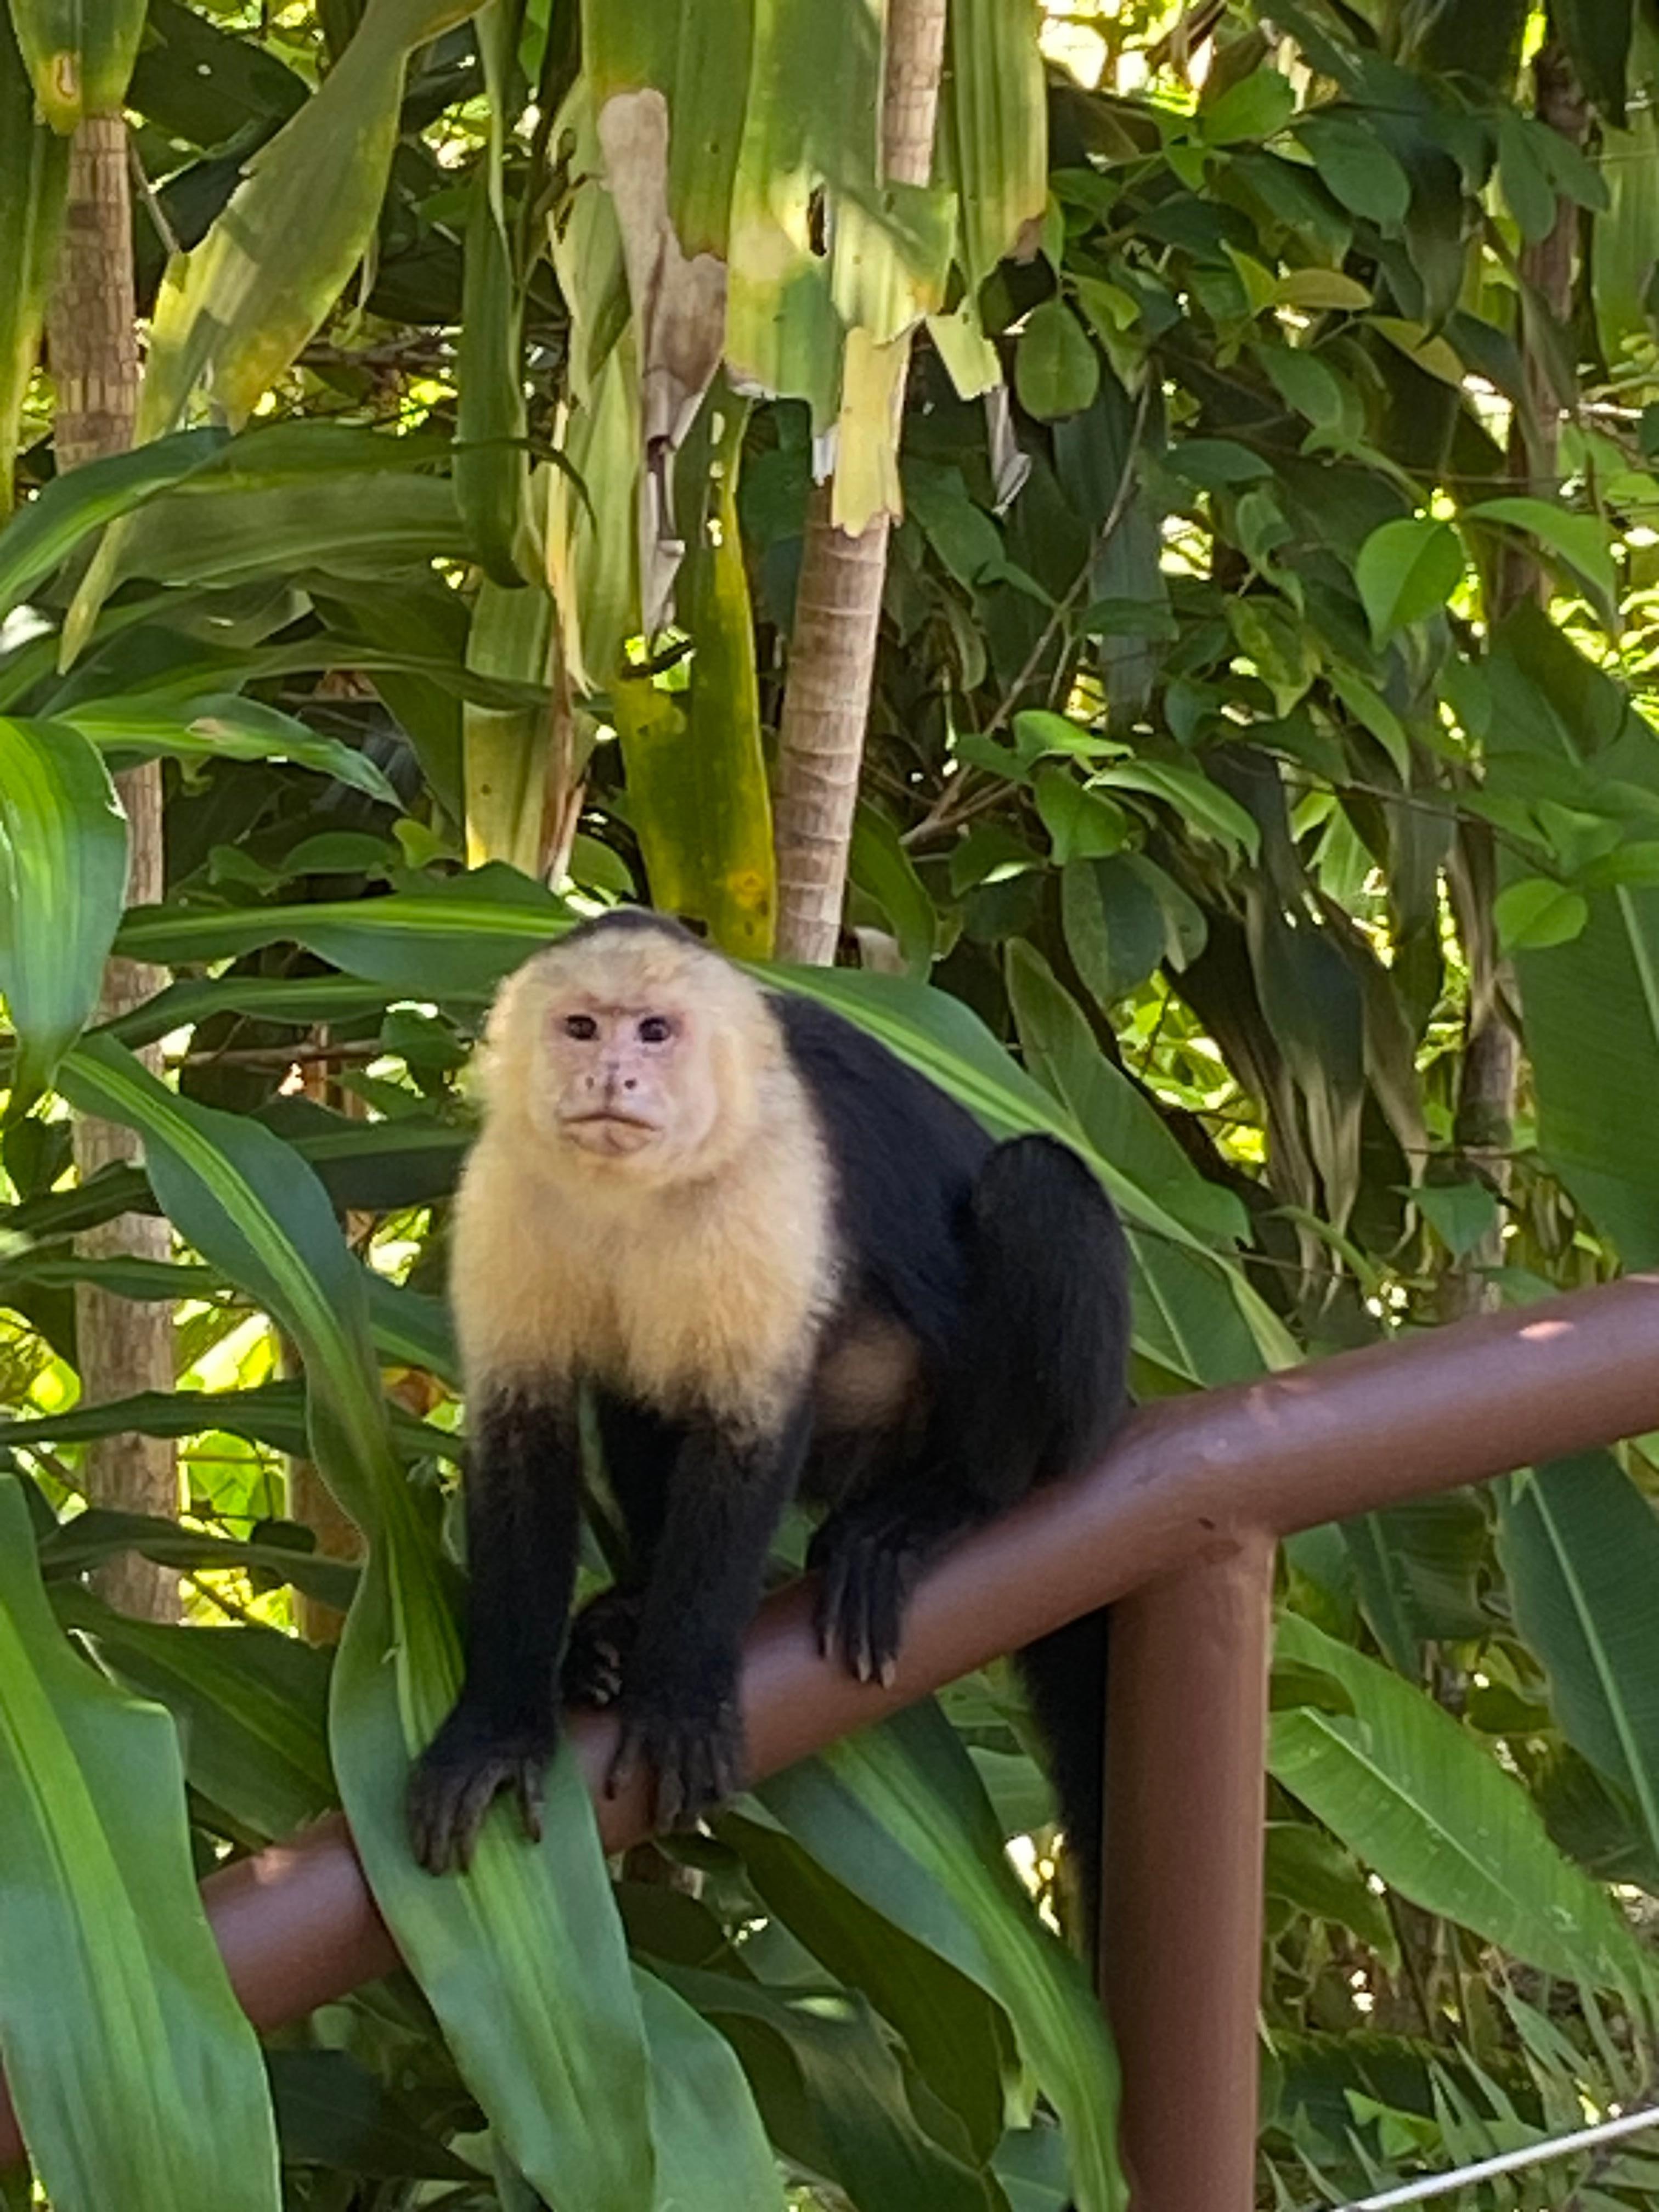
column 832, row 1603
column 529, row 1786
column 472, row 1801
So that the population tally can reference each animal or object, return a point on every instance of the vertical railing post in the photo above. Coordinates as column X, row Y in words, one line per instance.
column 1180, row 1942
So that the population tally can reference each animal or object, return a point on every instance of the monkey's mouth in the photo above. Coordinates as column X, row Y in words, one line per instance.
column 609, row 1132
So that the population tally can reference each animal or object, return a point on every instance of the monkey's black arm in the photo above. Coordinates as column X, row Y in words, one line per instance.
column 679, row 1705
column 523, row 1496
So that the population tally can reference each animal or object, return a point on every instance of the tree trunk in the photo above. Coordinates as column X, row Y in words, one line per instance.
column 125, row 1345
column 832, row 652
column 1486, row 1098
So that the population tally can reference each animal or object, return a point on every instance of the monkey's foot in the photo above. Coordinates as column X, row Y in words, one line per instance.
column 696, row 1752
column 869, row 1557
column 458, row 1777
column 602, row 1635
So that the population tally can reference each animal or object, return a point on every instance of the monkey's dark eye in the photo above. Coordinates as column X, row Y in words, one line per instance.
column 580, row 1025
column 656, row 1029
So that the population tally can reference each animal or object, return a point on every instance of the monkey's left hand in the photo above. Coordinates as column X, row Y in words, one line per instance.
column 692, row 1743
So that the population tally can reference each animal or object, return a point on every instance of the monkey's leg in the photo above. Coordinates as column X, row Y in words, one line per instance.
column 523, row 1495
column 640, row 1451
column 679, row 1702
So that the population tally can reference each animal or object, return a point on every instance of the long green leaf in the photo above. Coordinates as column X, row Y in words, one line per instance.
column 252, row 1707
column 712, row 2151
column 522, row 1959
column 234, row 312
column 63, row 877
column 34, row 179
column 119, row 2025
column 70, row 507
column 1580, row 1544
column 1420, row 1800
column 220, row 726
column 80, row 58
column 1591, row 1005
column 835, row 2094
column 898, row 1815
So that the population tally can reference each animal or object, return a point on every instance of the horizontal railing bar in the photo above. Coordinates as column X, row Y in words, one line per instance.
column 1189, row 1478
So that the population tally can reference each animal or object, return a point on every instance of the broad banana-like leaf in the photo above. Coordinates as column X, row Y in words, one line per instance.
column 62, row 879
column 522, row 1959
column 1421, row 1800
column 33, row 178
column 79, row 54
column 697, row 772
column 119, row 2027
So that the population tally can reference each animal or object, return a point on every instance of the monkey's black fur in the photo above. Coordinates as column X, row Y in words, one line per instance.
column 1004, row 1264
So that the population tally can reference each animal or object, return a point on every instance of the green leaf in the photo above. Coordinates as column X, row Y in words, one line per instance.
column 1317, row 1877
column 834, row 2093
column 65, row 511
column 491, row 469
column 1417, row 1796
column 1459, row 1214
column 952, row 2027
column 1056, row 369
column 1582, row 541
column 1204, row 805
column 1591, row 1004
column 897, row 1814
column 234, row 313
column 712, row 2150
column 1120, row 1119
column 220, row 727
column 1358, row 168
column 62, row 877
column 34, row 179
column 1535, row 913
column 881, row 868
column 700, row 803
column 79, row 56
column 1258, row 106
column 119, row 2027
column 251, row 1705
column 1580, row 1548
column 523, row 1959
column 1407, row 569
column 1113, row 926
column 459, row 939
column 1082, row 824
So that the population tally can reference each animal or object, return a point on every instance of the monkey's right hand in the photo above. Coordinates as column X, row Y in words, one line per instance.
column 471, row 1758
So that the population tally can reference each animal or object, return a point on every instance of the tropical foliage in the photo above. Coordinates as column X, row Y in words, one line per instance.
column 1262, row 727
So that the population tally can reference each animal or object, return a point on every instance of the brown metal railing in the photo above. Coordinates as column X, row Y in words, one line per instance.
column 1179, row 1524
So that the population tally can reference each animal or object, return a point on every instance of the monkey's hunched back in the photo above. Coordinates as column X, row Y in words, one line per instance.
column 774, row 1253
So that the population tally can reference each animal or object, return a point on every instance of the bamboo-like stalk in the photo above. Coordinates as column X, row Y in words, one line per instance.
column 124, row 1345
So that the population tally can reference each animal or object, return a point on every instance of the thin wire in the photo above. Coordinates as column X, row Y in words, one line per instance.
column 1510, row 2161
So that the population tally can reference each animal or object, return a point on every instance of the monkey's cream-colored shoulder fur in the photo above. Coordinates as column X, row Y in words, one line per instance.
column 700, row 1290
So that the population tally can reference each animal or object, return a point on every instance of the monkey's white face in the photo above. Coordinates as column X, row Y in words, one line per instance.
column 627, row 1083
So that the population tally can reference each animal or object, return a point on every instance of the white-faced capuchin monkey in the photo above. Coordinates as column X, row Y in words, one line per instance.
column 781, row 1260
